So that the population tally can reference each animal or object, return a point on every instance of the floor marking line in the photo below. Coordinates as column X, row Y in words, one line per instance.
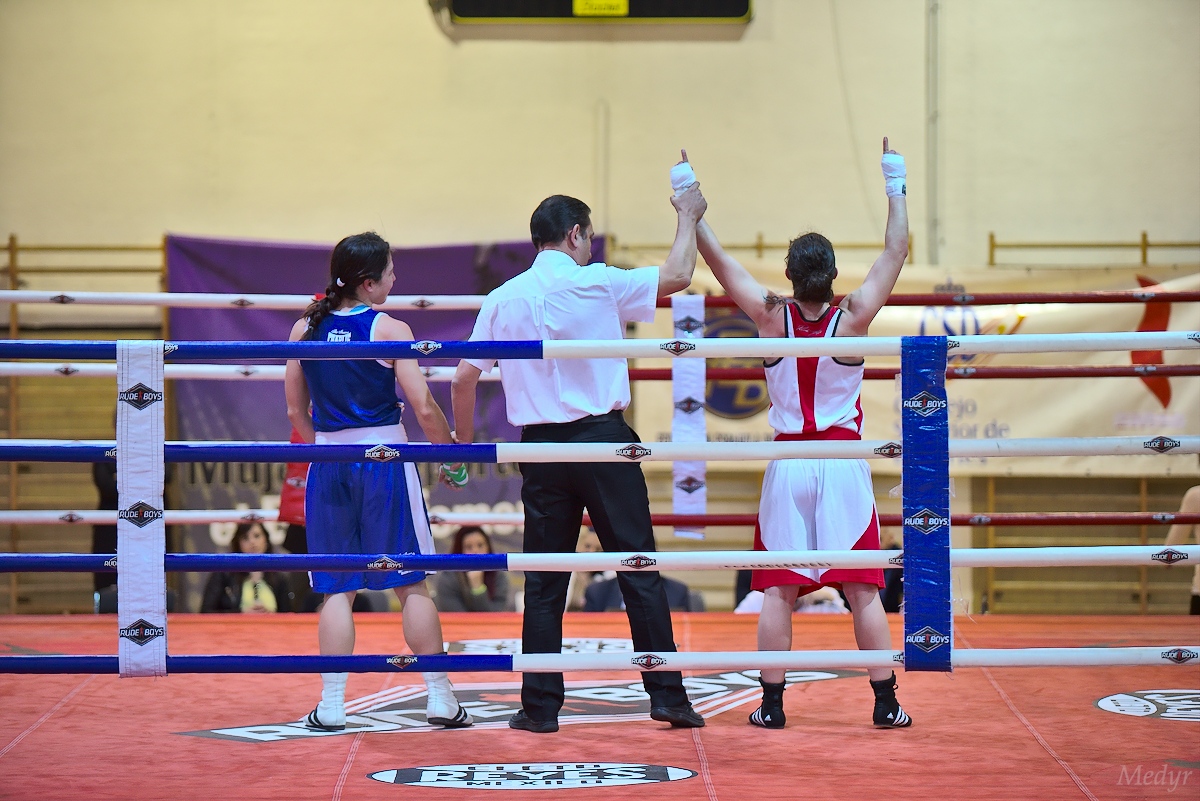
column 44, row 717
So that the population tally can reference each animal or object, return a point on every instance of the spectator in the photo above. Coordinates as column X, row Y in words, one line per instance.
column 473, row 590
column 582, row 579
column 250, row 592
column 605, row 596
column 825, row 600
column 1179, row 533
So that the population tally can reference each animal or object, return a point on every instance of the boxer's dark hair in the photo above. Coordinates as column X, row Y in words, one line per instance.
column 354, row 260
column 811, row 267
column 554, row 218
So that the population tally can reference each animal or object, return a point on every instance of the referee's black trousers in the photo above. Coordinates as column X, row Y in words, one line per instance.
column 614, row 494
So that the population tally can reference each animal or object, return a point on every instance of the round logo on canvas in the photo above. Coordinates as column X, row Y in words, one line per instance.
column 533, row 776
column 1166, row 704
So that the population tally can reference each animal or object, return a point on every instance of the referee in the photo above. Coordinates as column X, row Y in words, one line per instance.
column 563, row 296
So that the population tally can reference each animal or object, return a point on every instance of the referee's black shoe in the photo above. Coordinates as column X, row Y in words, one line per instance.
column 681, row 717
column 526, row 723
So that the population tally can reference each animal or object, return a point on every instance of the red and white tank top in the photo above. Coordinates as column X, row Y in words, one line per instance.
column 815, row 397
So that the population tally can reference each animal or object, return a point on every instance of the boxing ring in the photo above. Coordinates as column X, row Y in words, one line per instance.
column 71, row 728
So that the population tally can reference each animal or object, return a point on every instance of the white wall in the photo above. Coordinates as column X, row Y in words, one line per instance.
column 309, row 119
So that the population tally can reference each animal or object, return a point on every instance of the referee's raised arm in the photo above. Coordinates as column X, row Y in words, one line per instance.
column 676, row 272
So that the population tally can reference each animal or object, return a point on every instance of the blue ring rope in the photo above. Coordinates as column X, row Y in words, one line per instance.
column 484, row 453
column 245, row 562
column 245, row 663
column 72, row 350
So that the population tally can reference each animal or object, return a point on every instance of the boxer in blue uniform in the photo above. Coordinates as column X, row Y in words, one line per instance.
column 366, row 507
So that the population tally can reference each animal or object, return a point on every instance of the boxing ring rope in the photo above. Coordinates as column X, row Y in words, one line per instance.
column 184, row 517
column 44, row 450
column 274, row 372
column 215, row 300
column 763, row 348
column 1071, row 556
column 923, row 362
column 562, row 663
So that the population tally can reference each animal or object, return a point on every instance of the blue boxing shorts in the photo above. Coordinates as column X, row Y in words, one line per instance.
column 368, row 508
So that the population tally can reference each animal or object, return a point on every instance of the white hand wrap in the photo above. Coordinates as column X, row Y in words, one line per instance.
column 682, row 176
column 894, row 174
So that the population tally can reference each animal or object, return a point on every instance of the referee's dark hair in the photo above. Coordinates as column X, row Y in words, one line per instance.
column 554, row 218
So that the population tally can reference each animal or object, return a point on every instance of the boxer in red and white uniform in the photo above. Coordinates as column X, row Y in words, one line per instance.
column 817, row 504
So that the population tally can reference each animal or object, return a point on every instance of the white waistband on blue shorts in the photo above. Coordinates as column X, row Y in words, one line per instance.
column 371, row 435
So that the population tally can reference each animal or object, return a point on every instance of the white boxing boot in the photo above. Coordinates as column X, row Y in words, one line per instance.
column 442, row 708
column 330, row 714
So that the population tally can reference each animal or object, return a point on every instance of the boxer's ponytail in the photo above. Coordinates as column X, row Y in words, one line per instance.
column 355, row 260
column 811, row 267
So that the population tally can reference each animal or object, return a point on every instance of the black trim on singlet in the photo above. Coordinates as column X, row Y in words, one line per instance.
column 820, row 317
column 833, row 333
column 787, row 328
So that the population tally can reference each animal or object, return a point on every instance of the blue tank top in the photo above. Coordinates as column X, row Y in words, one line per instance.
column 351, row 393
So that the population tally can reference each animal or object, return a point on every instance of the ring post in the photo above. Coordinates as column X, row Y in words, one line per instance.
column 925, row 479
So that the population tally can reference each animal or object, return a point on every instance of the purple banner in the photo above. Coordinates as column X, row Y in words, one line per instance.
column 256, row 410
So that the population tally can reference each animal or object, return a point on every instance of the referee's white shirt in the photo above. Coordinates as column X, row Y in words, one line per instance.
column 558, row 299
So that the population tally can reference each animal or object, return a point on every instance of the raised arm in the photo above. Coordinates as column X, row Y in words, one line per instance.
column 755, row 300
column 861, row 305
column 295, row 388
column 676, row 272
column 759, row 303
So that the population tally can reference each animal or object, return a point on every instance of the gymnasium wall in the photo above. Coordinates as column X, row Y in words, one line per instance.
column 309, row 119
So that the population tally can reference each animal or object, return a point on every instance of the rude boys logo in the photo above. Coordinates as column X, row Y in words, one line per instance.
column 141, row 514
column 924, row 404
column 926, row 521
column 140, row 396
column 927, row 639
column 141, row 632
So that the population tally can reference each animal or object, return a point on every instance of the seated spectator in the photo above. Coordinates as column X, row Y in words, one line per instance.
column 1181, row 533
column 605, row 596
column 253, row 592
column 582, row 579
column 741, row 586
column 474, row 590
column 892, row 594
column 825, row 600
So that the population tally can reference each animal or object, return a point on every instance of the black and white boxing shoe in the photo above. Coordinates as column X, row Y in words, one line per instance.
column 888, row 714
column 769, row 714
column 314, row 721
column 460, row 720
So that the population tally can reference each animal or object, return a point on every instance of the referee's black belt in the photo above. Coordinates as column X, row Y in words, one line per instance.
column 582, row 422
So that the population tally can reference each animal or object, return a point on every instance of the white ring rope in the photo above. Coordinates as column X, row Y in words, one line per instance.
column 215, row 300
column 218, row 372
column 1079, row 556
column 769, row 348
column 813, row 660
column 764, row 451
column 766, row 348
